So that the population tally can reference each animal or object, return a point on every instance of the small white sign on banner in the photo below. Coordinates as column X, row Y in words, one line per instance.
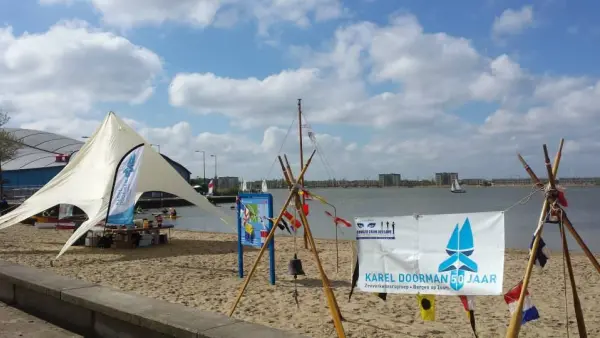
column 450, row 254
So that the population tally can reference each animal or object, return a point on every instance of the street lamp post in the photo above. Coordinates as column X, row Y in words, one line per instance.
column 216, row 177
column 203, row 165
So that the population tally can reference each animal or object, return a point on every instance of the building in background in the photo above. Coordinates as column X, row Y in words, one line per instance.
column 41, row 157
column 227, row 182
column 389, row 180
column 445, row 178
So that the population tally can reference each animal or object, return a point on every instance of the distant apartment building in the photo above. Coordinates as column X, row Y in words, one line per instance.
column 473, row 181
column 390, row 180
column 445, row 178
column 227, row 182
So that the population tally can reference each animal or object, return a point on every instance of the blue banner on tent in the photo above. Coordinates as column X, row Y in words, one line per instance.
column 254, row 216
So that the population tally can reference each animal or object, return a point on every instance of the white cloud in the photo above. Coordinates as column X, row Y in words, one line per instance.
column 203, row 13
column 512, row 21
column 430, row 76
column 65, row 71
column 56, row 79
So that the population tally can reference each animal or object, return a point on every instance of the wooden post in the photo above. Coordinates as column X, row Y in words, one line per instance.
column 301, row 182
column 293, row 192
column 584, row 247
column 301, row 211
column 334, row 308
column 515, row 321
column 576, row 302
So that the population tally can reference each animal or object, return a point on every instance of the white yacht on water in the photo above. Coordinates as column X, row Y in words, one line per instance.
column 456, row 188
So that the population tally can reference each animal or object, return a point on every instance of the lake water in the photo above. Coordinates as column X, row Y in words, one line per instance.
column 520, row 219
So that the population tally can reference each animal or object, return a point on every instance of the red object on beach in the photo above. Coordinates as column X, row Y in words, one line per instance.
column 338, row 220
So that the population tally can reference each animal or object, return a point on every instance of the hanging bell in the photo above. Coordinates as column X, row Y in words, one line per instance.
column 295, row 267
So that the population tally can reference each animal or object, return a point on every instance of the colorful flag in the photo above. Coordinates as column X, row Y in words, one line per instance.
column 562, row 200
column 211, row 187
column 309, row 195
column 468, row 303
column 290, row 218
column 122, row 202
column 427, row 306
column 511, row 298
column 542, row 253
column 338, row 220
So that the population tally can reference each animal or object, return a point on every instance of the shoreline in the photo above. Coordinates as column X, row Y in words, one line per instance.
column 199, row 269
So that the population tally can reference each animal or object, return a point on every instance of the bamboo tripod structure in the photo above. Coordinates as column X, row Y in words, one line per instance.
column 294, row 195
column 551, row 202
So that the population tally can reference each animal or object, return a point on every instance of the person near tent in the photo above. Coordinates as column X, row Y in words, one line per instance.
column 3, row 204
column 159, row 220
column 172, row 212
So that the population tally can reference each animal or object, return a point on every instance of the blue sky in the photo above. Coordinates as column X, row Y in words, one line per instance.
column 558, row 41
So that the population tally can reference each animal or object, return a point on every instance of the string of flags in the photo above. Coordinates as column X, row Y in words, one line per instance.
column 427, row 302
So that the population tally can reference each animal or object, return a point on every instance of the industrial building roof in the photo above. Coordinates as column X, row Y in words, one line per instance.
column 39, row 149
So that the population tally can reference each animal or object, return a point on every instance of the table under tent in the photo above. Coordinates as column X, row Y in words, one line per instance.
column 105, row 179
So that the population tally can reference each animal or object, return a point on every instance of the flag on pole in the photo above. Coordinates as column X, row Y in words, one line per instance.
column 542, row 253
column 211, row 187
column 338, row 220
column 427, row 306
column 122, row 201
column 511, row 298
column 468, row 303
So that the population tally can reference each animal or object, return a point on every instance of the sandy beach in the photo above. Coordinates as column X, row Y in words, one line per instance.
column 200, row 270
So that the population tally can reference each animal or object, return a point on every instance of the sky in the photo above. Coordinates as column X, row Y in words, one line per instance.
column 410, row 87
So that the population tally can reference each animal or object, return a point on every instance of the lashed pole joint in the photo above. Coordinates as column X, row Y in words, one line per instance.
column 551, row 201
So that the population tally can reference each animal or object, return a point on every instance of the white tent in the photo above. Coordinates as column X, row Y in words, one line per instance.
column 87, row 180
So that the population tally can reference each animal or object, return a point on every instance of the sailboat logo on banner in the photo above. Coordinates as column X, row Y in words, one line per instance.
column 459, row 248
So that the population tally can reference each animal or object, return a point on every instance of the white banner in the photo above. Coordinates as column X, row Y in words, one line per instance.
column 123, row 194
column 451, row 254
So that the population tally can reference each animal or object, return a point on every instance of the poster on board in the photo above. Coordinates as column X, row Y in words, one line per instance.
column 254, row 213
column 448, row 254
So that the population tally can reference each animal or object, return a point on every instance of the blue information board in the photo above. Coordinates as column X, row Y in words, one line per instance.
column 254, row 216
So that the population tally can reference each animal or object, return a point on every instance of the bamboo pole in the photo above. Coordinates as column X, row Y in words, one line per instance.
column 515, row 321
column 576, row 303
column 301, row 182
column 334, row 308
column 301, row 211
column 268, row 239
column 567, row 223
column 331, row 300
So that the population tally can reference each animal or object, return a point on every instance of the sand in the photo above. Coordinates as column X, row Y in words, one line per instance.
column 200, row 270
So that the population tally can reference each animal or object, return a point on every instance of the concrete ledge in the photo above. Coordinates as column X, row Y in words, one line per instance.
column 97, row 311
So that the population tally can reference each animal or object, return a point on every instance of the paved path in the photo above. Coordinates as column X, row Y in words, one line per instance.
column 16, row 323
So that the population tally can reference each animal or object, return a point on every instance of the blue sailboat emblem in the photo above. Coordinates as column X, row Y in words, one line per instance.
column 459, row 248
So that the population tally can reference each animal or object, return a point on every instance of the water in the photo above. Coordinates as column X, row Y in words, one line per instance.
column 520, row 220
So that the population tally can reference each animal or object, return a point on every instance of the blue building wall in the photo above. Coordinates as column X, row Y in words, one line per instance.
column 29, row 177
column 41, row 176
